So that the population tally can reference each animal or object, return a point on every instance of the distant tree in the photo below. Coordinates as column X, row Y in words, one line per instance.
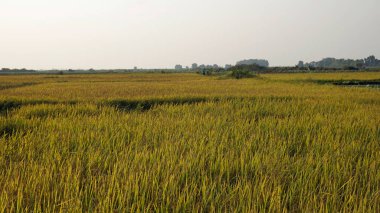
column 251, row 67
column 350, row 68
column 333, row 63
column 371, row 61
column 360, row 65
column 259, row 62
column 246, row 71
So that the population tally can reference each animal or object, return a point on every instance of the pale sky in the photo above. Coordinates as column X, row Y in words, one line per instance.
column 63, row 34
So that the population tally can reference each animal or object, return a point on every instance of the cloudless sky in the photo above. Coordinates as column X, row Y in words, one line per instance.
column 63, row 34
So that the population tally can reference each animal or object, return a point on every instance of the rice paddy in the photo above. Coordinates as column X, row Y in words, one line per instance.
column 189, row 143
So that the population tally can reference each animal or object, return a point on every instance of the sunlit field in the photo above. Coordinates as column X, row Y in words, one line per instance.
column 187, row 142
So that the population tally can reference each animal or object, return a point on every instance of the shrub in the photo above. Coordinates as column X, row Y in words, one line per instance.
column 245, row 71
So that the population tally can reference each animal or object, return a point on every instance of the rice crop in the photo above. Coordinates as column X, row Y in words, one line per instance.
column 189, row 143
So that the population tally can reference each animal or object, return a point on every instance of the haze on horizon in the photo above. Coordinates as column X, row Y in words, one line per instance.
column 83, row 34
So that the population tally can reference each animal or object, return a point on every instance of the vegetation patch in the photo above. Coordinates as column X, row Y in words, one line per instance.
column 245, row 71
column 375, row 82
column 149, row 103
column 9, row 105
column 358, row 83
column 9, row 127
column 143, row 105
column 16, row 85
column 238, row 74
column 45, row 111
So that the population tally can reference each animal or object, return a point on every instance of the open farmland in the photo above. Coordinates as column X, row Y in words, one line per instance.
column 186, row 142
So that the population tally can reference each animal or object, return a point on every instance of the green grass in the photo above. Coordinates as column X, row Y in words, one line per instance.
column 309, row 150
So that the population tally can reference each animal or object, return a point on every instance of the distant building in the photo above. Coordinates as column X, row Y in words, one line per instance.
column 227, row 66
column 178, row 67
column 194, row 66
column 300, row 64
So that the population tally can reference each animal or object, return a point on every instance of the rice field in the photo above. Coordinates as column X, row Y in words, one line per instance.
column 189, row 143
